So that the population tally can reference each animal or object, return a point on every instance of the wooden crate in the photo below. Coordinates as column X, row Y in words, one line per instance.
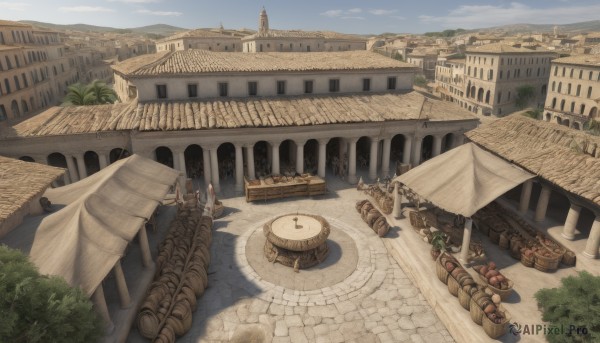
column 306, row 185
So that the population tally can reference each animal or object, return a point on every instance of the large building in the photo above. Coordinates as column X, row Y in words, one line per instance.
column 450, row 80
column 221, row 116
column 493, row 74
column 574, row 94
column 205, row 39
column 269, row 40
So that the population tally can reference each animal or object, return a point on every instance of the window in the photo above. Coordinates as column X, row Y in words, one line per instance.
column 192, row 90
column 280, row 87
column 7, row 86
column 572, row 70
column 25, row 80
column 252, row 88
column 582, row 108
column 391, row 83
column 366, row 85
column 589, row 94
column 161, row 91
column 308, row 48
column 499, row 96
column 553, row 85
column 559, row 87
column 578, row 90
column 573, row 107
column 2, row 113
column 500, row 74
column 564, row 70
column 555, row 71
column 569, row 89
column 223, row 88
column 580, row 74
column 334, row 85
column 491, row 75
column 308, row 87
column 8, row 64
column 590, row 78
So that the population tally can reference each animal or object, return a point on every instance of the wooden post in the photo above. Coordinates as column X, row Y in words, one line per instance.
column 464, row 251
column 144, row 246
column 100, row 306
column 121, row 285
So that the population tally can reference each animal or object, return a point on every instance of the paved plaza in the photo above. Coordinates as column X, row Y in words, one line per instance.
column 358, row 294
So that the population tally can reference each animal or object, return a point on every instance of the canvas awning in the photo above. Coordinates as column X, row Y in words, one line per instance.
column 464, row 179
column 102, row 214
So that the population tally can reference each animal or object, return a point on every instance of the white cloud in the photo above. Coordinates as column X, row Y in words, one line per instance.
column 14, row 6
column 161, row 13
column 382, row 12
column 354, row 10
column 399, row 17
column 332, row 13
column 474, row 16
column 354, row 18
column 82, row 9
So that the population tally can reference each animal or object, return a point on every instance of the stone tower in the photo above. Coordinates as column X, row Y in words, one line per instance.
column 263, row 22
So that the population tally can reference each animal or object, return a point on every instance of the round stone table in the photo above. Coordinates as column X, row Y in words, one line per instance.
column 296, row 240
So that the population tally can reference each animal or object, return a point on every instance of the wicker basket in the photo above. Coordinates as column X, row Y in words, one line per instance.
column 475, row 311
column 503, row 293
column 464, row 299
column 495, row 330
column 416, row 220
column 546, row 264
column 527, row 261
column 569, row 258
column 453, row 286
column 441, row 271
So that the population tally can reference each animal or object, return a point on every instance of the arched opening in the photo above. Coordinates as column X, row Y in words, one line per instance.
column 363, row 148
column 336, row 157
column 92, row 163
column 24, row 106
column 487, row 97
column 262, row 158
column 447, row 141
column 164, row 155
column 576, row 125
column 562, row 105
column 14, row 106
column 397, row 151
column 480, row 95
column 548, row 116
column 553, row 102
column 544, row 89
column 32, row 103
column 594, row 113
column 311, row 156
column 469, row 108
column 194, row 161
column 287, row 157
column 558, row 120
column 426, row 148
column 27, row 159
column 117, row 154
column 473, row 91
column 566, row 122
column 226, row 157
column 57, row 159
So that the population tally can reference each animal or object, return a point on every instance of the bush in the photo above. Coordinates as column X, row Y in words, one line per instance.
column 576, row 302
column 35, row 308
column 420, row 81
column 524, row 94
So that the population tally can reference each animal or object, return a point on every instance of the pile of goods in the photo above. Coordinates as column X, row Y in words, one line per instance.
column 181, row 277
column 384, row 199
column 375, row 219
column 531, row 247
column 481, row 302
column 497, row 282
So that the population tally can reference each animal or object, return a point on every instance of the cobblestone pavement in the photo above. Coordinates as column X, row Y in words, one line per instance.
column 376, row 303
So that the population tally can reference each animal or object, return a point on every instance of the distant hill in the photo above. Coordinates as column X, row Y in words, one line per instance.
column 157, row 29
column 574, row 28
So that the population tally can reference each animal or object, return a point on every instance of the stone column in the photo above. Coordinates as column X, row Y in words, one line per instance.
column 73, row 175
column 275, row 168
column 144, row 246
column 103, row 159
column 571, row 222
column 250, row 160
column 593, row 241
column 100, row 305
column 397, row 210
column 322, row 157
column 239, row 169
column 373, row 158
column 525, row 196
column 416, row 160
column 459, row 139
column 121, row 285
column 542, row 205
column 464, row 251
column 300, row 156
column 343, row 148
column 206, row 165
column 437, row 145
column 214, row 163
column 352, row 161
column 385, row 157
column 182, row 168
column 81, row 166
column 406, row 156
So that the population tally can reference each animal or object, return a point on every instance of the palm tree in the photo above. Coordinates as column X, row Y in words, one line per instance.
column 96, row 93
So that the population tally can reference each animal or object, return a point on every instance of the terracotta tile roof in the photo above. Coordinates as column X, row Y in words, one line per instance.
column 238, row 113
column 203, row 61
column 565, row 157
column 304, row 34
column 21, row 181
column 588, row 60
column 497, row 48
column 199, row 33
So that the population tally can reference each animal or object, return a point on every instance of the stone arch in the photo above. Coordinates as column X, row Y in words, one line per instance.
column 194, row 161
column 576, row 125
column 566, row 122
column 363, row 150
column 553, row 102
column 397, row 149
column 473, row 90
column 426, row 148
column 117, row 154
column 14, row 106
column 164, row 155
column 548, row 116
column 262, row 158
column 336, row 156
column 487, row 97
column 311, row 156
column 92, row 162
column 447, row 142
column 27, row 158
column 562, row 105
column 56, row 159
column 558, row 120
column 226, row 158
column 287, row 156
column 24, row 107
column 480, row 95
column 32, row 103
column 594, row 112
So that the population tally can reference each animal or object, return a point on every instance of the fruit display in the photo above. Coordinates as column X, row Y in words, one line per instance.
column 497, row 282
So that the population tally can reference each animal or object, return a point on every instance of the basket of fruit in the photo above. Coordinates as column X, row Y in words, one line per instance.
column 494, row 280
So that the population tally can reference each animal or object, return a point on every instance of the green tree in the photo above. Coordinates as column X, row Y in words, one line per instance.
column 534, row 114
column 592, row 127
column 524, row 94
column 576, row 302
column 96, row 93
column 420, row 81
column 398, row 56
column 35, row 308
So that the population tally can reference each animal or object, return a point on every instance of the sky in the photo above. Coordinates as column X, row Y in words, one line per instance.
column 347, row 16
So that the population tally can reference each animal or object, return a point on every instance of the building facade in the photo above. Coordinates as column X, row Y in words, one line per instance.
column 205, row 39
column 574, row 94
column 450, row 80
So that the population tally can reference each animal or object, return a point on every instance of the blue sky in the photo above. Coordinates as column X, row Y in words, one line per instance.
column 350, row 16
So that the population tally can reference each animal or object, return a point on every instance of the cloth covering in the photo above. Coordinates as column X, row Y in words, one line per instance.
column 102, row 214
column 464, row 179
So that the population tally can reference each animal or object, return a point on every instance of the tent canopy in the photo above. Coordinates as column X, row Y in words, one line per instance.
column 102, row 214
column 464, row 179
